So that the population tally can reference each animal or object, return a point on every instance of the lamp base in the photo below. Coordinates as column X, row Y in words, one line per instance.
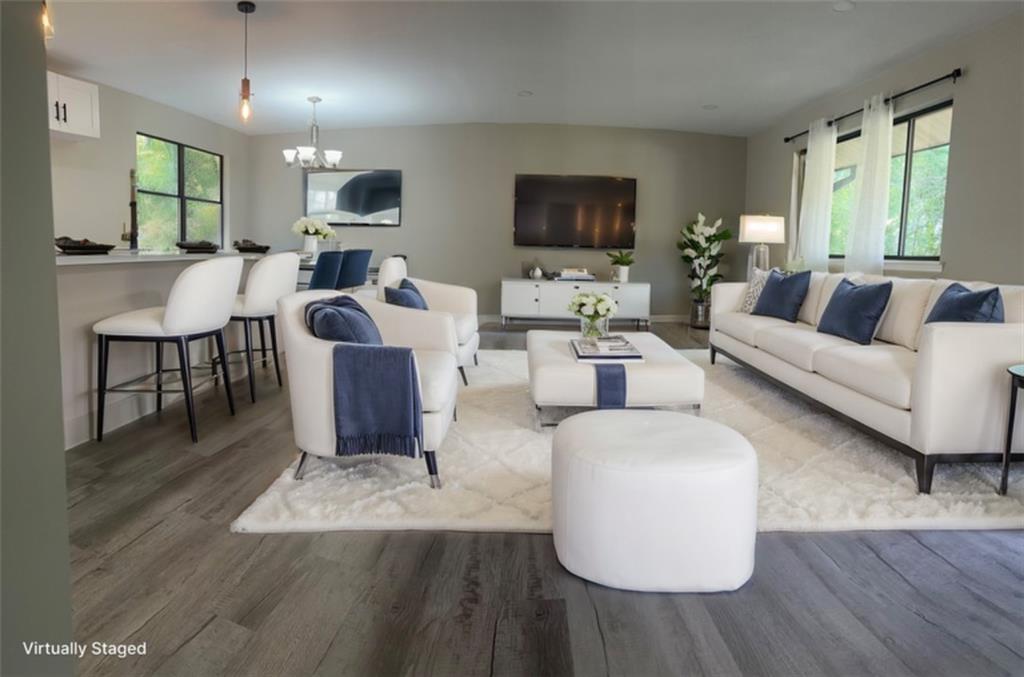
column 759, row 258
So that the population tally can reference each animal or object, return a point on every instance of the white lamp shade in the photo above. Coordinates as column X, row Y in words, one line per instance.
column 333, row 157
column 761, row 228
column 306, row 153
column 289, row 155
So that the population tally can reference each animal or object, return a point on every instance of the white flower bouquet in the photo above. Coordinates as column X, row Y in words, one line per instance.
column 594, row 311
column 313, row 227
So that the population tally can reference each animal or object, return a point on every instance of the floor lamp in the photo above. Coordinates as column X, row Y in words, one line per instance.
column 761, row 230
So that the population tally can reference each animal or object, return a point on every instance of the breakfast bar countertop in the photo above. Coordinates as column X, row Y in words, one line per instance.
column 142, row 256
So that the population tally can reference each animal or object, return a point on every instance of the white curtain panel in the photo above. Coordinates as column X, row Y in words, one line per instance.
column 865, row 243
column 816, row 203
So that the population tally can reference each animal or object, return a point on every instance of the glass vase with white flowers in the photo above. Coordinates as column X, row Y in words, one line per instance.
column 311, row 231
column 594, row 311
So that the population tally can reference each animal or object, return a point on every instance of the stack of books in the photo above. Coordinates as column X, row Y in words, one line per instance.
column 575, row 275
column 608, row 349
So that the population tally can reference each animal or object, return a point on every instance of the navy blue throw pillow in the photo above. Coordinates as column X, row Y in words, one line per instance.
column 854, row 311
column 341, row 318
column 959, row 304
column 783, row 295
column 406, row 295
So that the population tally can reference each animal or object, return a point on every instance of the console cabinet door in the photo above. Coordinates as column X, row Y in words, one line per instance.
column 634, row 300
column 555, row 297
column 520, row 299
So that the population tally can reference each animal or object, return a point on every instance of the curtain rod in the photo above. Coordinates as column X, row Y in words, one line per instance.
column 952, row 75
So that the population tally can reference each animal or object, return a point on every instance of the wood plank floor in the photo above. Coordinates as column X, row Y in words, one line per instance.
column 154, row 561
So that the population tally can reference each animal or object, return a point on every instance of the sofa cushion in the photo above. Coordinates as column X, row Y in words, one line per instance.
column 783, row 295
column 1013, row 303
column 797, row 343
column 880, row 371
column 854, row 311
column 828, row 286
column 957, row 303
column 903, row 316
column 755, row 285
column 437, row 371
column 744, row 327
column 406, row 295
column 809, row 309
column 465, row 327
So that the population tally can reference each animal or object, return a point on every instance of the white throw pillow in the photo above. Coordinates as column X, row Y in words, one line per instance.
column 754, row 288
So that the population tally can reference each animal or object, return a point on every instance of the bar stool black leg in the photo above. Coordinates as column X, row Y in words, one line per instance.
column 272, row 325
column 263, row 343
column 102, row 353
column 223, row 355
column 247, row 324
column 186, row 384
column 159, row 375
column 1009, row 437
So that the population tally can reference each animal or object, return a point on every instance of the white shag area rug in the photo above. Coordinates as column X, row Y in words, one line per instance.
column 817, row 473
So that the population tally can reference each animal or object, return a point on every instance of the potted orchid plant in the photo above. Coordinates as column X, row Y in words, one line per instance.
column 701, row 249
column 621, row 261
column 311, row 231
column 594, row 311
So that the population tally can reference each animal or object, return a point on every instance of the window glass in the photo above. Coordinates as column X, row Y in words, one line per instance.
column 159, row 221
column 156, row 164
column 202, row 174
column 202, row 221
column 929, row 167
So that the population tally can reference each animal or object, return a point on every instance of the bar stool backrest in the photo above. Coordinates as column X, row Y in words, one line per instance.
column 390, row 274
column 271, row 278
column 354, row 268
column 203, row 296
column 325, row 273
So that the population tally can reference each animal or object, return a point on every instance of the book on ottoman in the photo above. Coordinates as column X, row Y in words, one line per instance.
column 615, row 348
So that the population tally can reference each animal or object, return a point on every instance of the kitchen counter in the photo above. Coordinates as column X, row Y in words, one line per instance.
column 128, row 256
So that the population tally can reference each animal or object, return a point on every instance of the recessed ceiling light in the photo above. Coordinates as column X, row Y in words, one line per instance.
column 709, row 106
column 843, row 5
column 524, row 92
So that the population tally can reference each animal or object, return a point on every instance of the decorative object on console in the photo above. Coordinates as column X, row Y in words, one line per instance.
column 783, row 295
column 312, row 230
column 855, row 310
column 621, row 261
column 78, row 247
column 575, row 275
column 957, row 303
column 701, row 249
column 536, row 273
column 198, row 246
column 761, row 230
column 249, row 247
column 407, row 295
column 245, row 95
column 594, row 311
column 311, row 157
column 755, row 286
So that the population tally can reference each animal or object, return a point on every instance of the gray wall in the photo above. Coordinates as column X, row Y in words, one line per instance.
column 36, row 596
column 457, row 196
column 983, row 234
column 90, row 176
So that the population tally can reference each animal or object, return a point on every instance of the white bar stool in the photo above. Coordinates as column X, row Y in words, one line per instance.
column 271, row 278
column 198, row 306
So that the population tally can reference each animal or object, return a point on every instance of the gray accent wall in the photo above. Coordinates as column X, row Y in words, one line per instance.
column 983, row 236
column 458, row 190
column 36, row 573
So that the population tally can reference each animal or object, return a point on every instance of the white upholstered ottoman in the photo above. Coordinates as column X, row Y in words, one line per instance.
column 654, row 500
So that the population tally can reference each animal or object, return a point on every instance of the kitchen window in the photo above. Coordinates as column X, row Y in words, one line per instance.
column 180, row 193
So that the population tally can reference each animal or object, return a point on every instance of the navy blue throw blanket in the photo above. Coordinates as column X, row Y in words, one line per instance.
column 377, row 408
column 611, row 386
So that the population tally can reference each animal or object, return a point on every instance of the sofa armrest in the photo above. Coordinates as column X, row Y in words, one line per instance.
column 961, row 390
column 412, row 328
column 449, row 298
column 727, row 297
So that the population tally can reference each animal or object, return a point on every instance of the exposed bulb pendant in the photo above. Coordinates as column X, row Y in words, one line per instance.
column 47, row 21
column 311, row 157
column 245, row 104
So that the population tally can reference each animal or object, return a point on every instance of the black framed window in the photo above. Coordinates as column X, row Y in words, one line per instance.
column 917, row 185
column 180, row 193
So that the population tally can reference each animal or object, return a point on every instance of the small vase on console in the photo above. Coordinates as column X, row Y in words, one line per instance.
column 309, row 244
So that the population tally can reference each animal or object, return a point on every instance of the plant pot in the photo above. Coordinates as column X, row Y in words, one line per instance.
column 700, row 314
column 595, row 328
column 309, row 243
column 620, row 274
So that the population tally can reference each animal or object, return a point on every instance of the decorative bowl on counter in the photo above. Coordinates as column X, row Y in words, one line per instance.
column 198, row 247
column 250, row 247
column 81, row 247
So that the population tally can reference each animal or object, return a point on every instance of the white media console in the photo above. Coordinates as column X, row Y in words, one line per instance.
column 549, row 299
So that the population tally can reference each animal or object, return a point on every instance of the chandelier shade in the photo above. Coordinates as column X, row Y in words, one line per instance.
column 311, row 157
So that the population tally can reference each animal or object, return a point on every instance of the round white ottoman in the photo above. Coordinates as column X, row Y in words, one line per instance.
column 654, row 500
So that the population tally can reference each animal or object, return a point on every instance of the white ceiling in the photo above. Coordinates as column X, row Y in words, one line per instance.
column 377, row 64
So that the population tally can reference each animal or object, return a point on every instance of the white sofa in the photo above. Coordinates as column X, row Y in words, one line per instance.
column 938, row 392
column 459, row 302
column 310, row 371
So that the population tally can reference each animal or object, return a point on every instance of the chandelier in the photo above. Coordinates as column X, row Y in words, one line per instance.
column 311, row 157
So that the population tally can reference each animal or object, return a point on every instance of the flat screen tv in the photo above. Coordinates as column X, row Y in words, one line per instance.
column 575, row 211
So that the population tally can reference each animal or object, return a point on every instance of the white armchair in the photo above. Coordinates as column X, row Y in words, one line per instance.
column 310, row 372
column 459, row 302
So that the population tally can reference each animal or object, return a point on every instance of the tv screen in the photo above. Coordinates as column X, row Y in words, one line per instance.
column 575, row 211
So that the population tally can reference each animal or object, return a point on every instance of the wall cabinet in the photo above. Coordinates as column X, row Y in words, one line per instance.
column 549, row 300
column 73, row 106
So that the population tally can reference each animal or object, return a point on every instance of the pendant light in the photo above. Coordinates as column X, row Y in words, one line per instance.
column 311, row 157
column 245, row 105
column 47, row 20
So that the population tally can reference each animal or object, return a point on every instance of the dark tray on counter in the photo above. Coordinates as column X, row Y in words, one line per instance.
column 77, row 249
